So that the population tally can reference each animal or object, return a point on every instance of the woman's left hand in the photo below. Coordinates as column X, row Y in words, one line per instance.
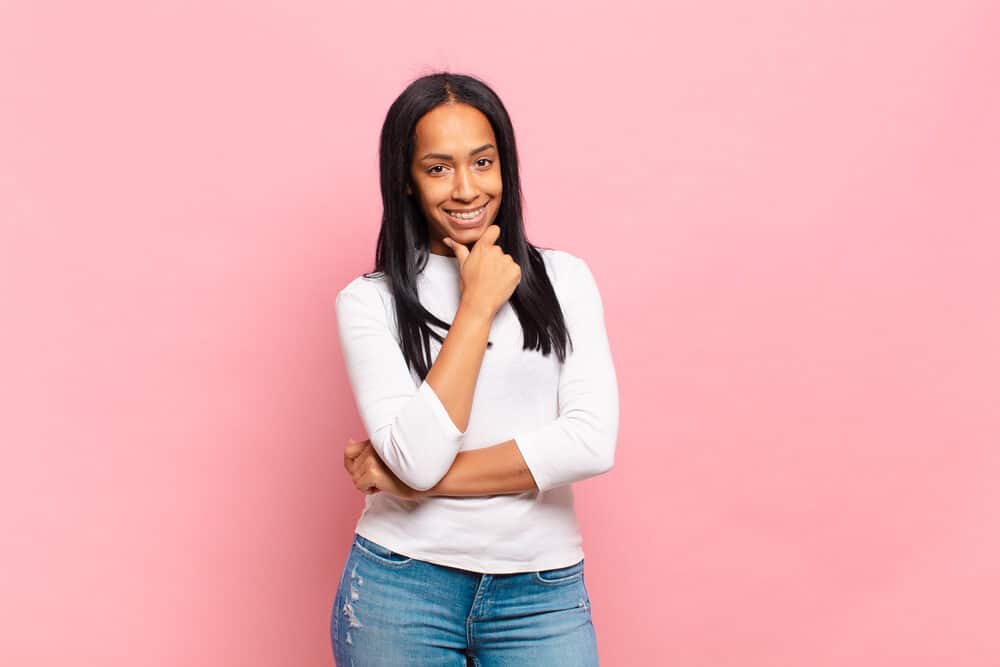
column 370, row 475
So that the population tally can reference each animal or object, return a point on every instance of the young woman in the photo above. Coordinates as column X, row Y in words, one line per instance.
column 482, row 372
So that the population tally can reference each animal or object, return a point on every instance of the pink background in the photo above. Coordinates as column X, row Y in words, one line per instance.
column 791, row 209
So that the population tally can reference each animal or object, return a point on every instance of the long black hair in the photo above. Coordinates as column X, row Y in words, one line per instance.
column 402, row 247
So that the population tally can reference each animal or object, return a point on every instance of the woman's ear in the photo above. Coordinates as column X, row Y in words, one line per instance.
column 408, row 190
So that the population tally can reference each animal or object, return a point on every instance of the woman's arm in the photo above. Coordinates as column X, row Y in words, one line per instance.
column 455, row 371
column 495, row 470
column 488, row 278
column 580, row 443
column 418, row 431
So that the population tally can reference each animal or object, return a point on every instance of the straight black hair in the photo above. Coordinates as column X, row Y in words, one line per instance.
column 402, row 246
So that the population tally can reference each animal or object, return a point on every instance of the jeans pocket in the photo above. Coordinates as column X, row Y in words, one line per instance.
column 379, row 553
column 560, row 575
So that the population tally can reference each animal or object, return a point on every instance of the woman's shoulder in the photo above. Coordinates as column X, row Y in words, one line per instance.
column 571, row 277
column 561, row 265
column 371, row 289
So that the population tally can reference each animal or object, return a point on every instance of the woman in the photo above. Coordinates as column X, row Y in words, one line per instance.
column 479, row 415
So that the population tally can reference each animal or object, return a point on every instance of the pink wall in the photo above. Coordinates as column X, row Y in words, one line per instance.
column 792, row 210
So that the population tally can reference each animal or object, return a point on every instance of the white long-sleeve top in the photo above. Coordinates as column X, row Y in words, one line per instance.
column 563, row 417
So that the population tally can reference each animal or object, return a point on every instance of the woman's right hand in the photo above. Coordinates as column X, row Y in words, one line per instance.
column 489, row 275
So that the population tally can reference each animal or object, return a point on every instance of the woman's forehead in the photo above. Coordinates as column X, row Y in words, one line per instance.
column 456, row 126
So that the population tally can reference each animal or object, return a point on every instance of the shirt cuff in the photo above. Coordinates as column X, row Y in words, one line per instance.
column 533, row 457
column 437, row 408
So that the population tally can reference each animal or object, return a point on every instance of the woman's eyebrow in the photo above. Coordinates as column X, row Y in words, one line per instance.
column 442, row 156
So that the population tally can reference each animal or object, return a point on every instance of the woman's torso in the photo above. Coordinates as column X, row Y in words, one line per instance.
column 516, row 390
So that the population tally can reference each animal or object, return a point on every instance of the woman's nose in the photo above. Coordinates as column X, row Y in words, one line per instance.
column 465, row 189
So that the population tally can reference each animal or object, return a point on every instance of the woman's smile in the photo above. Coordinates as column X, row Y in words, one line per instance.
column 467, row 217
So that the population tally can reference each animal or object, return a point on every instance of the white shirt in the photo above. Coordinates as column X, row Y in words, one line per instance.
column 563, row 417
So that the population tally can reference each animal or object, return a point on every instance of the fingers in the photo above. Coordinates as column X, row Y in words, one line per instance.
column 357, row 462
column 488, row 237
column 362, row 461
column 353, row 465
column 365, row 481
column 461, row 252
column 353, row 449
column 366, row 476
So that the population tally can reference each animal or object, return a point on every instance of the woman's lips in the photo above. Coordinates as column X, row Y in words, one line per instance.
column 474, row 222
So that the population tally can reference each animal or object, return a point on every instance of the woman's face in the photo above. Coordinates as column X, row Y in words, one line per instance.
column 455, row 168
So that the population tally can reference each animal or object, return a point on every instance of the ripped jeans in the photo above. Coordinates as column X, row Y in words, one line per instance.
column 391, row 610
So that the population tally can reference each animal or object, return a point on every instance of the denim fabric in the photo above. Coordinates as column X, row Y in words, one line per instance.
column 394, row 611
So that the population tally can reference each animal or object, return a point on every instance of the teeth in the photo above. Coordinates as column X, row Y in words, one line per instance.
column 467, row 216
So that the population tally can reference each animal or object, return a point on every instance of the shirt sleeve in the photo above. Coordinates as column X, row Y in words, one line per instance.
column 408, row 426
column 580, row 443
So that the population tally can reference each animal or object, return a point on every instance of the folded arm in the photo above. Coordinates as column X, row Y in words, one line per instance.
column 415, row 430
column 581, row 441
column 496, row 470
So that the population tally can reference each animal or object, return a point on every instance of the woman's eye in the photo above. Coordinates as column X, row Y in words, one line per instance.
column 437, row 169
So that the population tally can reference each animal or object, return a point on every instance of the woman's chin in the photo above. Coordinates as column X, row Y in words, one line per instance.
column 467, row 234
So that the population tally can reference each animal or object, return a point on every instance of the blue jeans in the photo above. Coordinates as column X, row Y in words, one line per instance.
column 391, row 610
